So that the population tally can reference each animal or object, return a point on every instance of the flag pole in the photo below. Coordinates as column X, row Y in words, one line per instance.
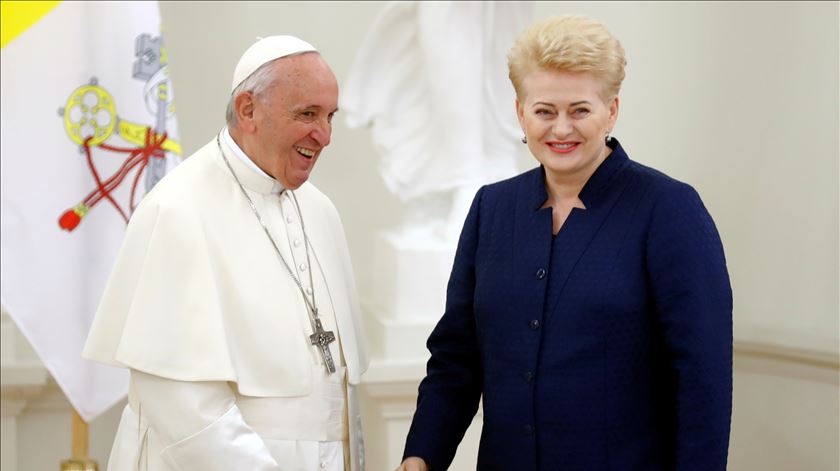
column 79, row 460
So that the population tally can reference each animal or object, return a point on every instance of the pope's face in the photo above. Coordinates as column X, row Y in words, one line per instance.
column 293, row 119
column 566, row 121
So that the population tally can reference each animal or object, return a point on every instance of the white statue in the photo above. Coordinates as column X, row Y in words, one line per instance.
column 431, row 80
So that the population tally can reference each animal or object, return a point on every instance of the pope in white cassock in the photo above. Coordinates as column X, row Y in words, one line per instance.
column 232, row 301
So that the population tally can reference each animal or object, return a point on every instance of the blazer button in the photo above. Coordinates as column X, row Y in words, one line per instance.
column 527, row 376
column 529, row 430
column 534, row 324
column 541, row 273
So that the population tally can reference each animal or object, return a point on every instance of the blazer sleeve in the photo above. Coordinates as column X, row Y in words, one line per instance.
column 449, row 394
column 693, row 302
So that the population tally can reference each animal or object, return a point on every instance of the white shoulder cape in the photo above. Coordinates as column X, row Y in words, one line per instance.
column 198, row 293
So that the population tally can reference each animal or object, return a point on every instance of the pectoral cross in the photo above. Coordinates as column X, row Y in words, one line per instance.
column 322, row 338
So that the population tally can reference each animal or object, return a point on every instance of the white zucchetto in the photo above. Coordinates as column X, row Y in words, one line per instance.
column 266, row 50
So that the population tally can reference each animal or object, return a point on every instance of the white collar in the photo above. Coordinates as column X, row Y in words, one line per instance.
column 240, row 154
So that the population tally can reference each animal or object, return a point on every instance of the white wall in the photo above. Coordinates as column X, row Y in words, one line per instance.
column 740, row 99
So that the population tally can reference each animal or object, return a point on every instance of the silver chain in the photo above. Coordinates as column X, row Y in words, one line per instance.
column 313, row 312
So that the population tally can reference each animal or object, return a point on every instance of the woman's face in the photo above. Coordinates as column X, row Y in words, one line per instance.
column 566, row 121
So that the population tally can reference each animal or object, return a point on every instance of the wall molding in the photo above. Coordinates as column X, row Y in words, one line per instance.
column 28, row 387
column 801, row 364
column 782, row 353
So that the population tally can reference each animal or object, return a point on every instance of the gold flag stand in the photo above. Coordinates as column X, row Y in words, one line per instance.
column 79, row 461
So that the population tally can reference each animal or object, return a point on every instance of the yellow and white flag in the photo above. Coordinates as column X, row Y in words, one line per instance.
column 88, row 128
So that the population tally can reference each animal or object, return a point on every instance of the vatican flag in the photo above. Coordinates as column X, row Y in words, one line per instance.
column 88, row 128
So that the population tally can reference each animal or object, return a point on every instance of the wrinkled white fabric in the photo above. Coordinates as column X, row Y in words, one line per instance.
column 199, row 294
column 177, row 425
column 430, row 78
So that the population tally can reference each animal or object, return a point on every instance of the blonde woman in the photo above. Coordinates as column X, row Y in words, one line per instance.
column 589, row 304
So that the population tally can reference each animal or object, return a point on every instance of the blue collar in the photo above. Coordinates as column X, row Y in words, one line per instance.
column 592, row 192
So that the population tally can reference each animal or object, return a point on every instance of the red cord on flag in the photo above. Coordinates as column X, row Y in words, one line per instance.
column 137, row 157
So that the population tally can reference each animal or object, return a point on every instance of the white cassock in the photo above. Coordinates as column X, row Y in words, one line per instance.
column 216, row 332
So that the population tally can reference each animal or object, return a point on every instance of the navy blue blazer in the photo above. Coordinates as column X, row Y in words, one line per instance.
column 605, row 347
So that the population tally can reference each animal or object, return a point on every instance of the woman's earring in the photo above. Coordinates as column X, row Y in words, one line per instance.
column 607, row 139
column 524, row 139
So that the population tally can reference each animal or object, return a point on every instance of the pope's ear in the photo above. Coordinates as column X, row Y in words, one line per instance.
column 243, row 107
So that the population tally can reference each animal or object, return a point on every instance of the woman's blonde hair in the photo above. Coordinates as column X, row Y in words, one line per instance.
column 568, row 44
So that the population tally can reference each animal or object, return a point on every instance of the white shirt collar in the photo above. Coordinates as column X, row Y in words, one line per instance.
column 240, row 154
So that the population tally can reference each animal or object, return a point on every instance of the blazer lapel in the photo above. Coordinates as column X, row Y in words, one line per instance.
column 532, row 241
column 599, row 195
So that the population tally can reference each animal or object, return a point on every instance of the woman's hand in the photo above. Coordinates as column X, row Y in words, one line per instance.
column 413, row 463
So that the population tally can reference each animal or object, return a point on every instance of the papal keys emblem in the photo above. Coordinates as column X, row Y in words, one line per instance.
column 90, row 119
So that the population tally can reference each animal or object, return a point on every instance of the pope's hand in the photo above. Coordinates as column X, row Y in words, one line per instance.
column 413, row 463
